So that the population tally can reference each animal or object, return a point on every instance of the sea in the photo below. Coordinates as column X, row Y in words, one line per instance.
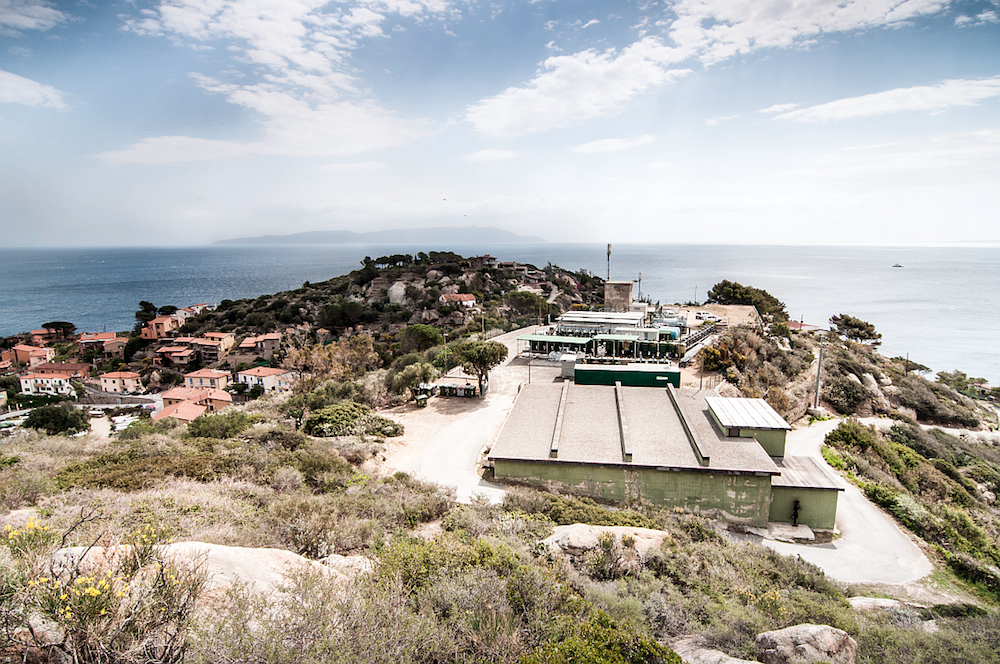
column 940, row 306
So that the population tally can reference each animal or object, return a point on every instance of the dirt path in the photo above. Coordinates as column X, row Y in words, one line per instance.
column 443, row 442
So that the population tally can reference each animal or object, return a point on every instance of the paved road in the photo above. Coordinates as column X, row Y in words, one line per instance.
column 443, row 442
column 872, row 548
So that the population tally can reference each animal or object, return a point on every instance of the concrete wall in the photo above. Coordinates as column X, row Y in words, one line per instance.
column 738, row 498
column 817, row 507
column 772, row 440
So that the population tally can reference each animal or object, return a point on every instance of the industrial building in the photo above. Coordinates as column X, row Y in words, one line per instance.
column 676, row 448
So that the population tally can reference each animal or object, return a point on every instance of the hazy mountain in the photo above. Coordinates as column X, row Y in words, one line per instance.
column 437, row 236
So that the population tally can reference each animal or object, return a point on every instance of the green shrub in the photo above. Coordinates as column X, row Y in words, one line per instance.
column 350, row 419
column 224, row 424
column 602, row 640
column 54, row 420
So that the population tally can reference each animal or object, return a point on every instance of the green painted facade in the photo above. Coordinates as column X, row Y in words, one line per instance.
column 628, row 376
column 772, row 440
column 817, row 507
column 739, row 498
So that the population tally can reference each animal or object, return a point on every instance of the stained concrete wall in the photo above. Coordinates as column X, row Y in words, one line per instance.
column 738, row 498
column 817, row 507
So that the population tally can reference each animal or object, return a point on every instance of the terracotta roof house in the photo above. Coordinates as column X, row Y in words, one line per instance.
column 463, row 299
column 95, row 339
column 160, row 327
column 71, row 369
column 185, row 403
column 47, row 384
column 261, row 347
column 30, row 355
column 115, row 347
column 272, row 380
column 207, row 378
column 121, row 381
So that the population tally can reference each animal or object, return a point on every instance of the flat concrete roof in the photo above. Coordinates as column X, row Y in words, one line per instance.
column 805, row 473
column 744, row 413
column 590, row 430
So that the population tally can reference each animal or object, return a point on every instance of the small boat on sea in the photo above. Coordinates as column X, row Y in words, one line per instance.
column 896, row 265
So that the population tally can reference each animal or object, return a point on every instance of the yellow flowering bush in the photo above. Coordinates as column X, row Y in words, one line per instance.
column 125, row 603
column 30, row 537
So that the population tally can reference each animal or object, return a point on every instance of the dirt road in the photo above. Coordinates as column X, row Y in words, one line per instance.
column 443, row 442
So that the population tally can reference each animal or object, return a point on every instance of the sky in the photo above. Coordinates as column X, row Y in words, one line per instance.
column 184, row 122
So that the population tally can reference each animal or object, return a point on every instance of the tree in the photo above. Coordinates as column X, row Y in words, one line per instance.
column 64, row 329
column 146, row 312
column 855, row 329
column 478, row 357
column 61, row 418
column 411, row 376
column 730, row 292
column 419, row 338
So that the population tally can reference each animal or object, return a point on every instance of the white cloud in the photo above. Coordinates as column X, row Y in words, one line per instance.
column 354, row 167
column 661, row 165
column 963, row 156
column 988, row 16
column 18, row 15
column 719, row 29
column 300, row 79
column 491, row 155
column 944, row 95
column 571, row 88
column 173, row 149
column 16, row 89
column 779, row 108
column 589, row 23
column 719, row 119
column 613, row 144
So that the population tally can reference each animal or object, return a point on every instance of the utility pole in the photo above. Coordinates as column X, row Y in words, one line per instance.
column 819, row 370
column 609, row 263
column 640, row 286
column 445, row 353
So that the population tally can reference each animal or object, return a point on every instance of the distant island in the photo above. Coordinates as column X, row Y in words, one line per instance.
column 437, row 235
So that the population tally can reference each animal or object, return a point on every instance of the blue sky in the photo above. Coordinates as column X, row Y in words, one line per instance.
column 697, row 121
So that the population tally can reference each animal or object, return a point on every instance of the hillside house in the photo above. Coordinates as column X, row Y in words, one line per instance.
column 77, row 370
column 30, row 356
column 466, row 300
column 160, row 327
column 255, row 348
column 121, row 382
column 270, row 379
column 207, row 378
column 185, row 403
column 114, row 348
column 47, row 385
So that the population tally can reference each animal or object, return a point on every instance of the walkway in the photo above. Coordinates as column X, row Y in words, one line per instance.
column 871, row 548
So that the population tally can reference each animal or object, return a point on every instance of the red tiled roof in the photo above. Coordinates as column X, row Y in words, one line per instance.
column 206, row 373
column 263, row 371
column 120, row 374
column 184, row 411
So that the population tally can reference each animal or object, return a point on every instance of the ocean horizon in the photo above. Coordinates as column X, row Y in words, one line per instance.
column 942, row 307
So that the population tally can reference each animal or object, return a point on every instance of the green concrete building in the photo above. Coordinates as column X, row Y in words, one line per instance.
column 677, row 448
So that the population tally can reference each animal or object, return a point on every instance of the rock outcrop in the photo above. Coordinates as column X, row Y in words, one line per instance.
column 806, row 643
column 580, row 538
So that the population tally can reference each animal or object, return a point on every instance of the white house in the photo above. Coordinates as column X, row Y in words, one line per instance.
column 272, row 380
column 47, row 384
column 121, row 381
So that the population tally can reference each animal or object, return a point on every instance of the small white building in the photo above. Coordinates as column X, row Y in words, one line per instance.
column 121, row 381
column 47, row 385
column 271, row 380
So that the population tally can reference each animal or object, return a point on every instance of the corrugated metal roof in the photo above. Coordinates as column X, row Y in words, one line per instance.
column 746, row 413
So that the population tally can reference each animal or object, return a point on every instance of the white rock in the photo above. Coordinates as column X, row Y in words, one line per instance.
column 579, row 538
column 690, row 650
column 802, row 644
